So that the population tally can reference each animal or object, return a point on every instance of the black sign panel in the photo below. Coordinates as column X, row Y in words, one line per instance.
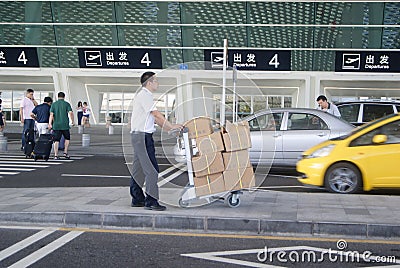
column 19, row 57
column 252, row 60
column 368, row 61
column 120, row 58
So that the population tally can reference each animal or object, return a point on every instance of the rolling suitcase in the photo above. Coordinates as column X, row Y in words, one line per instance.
column 29, row 142
column 43, row 147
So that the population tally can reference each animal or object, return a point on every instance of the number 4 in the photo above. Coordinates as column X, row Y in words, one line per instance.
column 274, row 61
column 146, row 60
column 22, row 57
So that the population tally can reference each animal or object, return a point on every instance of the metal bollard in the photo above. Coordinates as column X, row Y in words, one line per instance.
column 3, row 143
column 110, row 130
column 85, row 140
column 80, row 129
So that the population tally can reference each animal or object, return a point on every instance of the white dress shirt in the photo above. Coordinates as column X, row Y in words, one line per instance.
column 142, row 120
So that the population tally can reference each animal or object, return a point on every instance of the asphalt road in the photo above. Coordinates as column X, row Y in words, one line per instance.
column 47, row 247
column 101, row 171
column 112, row 171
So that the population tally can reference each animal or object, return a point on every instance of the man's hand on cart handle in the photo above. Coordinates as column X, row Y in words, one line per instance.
column 176, row 129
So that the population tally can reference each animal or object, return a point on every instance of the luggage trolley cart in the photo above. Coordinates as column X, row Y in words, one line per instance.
column 189, row 193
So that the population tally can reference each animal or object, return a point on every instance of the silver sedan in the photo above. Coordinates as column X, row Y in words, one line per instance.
column 280, row 135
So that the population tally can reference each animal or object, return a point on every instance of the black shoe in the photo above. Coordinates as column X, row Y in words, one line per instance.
column 156, row 207
column 137, row 205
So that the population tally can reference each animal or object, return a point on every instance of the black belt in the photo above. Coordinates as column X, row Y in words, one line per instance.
column 140, row 132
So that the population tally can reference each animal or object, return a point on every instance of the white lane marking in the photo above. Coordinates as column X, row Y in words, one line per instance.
column 25, row 243
column 221, row 256
column 23, row 165
column 17, row 169
column 44, row 251
column 81, row 156
column 7, row 160
column 282, row 176
column 168, row 170
column 33, row 162
column 287, row 186
column 171, row 177
column 8, row 173
column 94, row 176
column 215, row 256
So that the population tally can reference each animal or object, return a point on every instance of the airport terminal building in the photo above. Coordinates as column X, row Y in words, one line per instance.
column 286, row 53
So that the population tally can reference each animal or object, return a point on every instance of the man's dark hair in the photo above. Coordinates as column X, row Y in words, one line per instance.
column 145, row 77
column 29, row 90
column 48, row 99
column 61, row 95
column 322, row 97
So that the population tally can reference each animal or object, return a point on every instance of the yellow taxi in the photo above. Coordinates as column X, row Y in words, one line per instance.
column 366, row 159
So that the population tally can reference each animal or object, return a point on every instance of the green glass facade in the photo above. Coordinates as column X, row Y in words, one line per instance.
column 313, row 30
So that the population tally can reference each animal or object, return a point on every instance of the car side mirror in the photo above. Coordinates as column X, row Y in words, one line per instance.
column 379, row 139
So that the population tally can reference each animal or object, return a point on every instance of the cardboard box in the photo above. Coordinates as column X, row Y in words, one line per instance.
column 236, row 159
column 210, row 144
column 210, row 184
column 207, row 164
column 241, row 178
column 199, row 127
column 237, row 136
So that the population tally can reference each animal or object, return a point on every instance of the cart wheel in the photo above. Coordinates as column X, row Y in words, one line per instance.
column 233, row 204
column 183, row 204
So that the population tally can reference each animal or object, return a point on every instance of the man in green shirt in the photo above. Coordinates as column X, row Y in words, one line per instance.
column 60, row 114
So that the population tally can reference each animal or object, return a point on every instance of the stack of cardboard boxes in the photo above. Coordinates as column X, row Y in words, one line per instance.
column 221, row 163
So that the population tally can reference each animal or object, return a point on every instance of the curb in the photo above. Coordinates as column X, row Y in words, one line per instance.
column 157, row 222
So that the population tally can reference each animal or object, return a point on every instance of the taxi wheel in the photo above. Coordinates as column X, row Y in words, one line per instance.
column 343, row 178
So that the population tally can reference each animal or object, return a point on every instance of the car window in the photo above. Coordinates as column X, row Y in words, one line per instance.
column 398, row 108
column 266, row 122
column 305, row 121
column 349, row 112
column 375, row 111
column 391, row 130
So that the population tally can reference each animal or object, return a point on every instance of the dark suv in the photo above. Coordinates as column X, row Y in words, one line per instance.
column 360, row 112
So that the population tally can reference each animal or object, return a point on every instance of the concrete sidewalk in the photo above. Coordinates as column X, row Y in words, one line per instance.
column 260, row 212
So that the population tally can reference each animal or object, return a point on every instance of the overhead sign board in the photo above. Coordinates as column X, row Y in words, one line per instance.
column 251, row 60
column 19, row 57
column 120, row 58
column 367, row 61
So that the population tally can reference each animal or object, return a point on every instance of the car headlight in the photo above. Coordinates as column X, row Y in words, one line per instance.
column 321, row 152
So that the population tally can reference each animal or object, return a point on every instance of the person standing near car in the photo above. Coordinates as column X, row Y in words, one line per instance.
column 145, row 166
column 41, row 115
column 28, row 103
column 60, row 114
column 326, row 106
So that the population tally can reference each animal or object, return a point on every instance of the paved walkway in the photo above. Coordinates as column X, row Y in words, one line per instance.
column 260, row 212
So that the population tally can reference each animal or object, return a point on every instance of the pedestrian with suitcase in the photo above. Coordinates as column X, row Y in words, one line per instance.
column 41, row 115
column 60, row 115
column 28, row 103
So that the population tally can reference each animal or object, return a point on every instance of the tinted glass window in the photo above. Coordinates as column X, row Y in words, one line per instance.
column 391, row 130
column 398, row 108
column 266, row 122
column 302, row 121
column 375, row 111
column 349, row 112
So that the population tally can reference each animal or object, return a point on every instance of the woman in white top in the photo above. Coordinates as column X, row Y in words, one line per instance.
column 85, row 115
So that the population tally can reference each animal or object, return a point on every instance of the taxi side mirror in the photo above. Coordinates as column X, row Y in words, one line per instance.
column 379, row 139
